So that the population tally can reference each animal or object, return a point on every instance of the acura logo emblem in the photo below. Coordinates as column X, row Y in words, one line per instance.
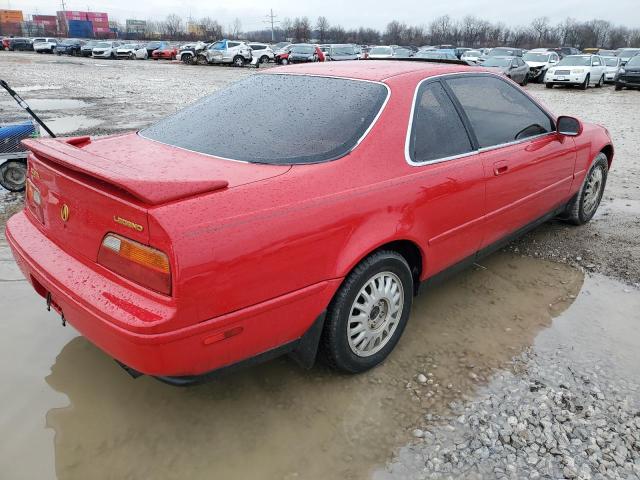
column 64, row 212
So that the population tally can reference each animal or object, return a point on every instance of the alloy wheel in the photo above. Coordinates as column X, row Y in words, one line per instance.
column 375, row 314
column 592, row 191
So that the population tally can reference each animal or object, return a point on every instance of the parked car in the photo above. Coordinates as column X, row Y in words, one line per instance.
column 607, row 53
column 539, row 62
column 229, row 52
column 611, row 67
column 402, row 52
column 340, row 51
column 471, row 56
column 514, row 68
column 188, row 53
column 167, row 52
column 626, row 54
column 459, row 51
column 582, row 70
column 262, row 51
column 105, row 50
column 505, row 52
column 304, row 52
column 303, row 251
column 629, row 75
column 381, row 52
column 435, row 55
column 4, row 43
column 87, row 48
column 154, row 45
column 70, row 46
column 132, row 51
column 44, row 44
column 20, row 44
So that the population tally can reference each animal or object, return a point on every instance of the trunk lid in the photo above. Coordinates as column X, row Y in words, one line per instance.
column 109, row 185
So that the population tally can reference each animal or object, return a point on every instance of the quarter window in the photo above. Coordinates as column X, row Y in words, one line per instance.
column 499, row 113
column 437, row 130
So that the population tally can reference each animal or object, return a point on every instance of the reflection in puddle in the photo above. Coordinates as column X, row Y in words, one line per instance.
column 276, row 420
column 71, row 124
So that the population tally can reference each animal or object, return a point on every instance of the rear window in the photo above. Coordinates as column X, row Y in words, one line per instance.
column 324, row 119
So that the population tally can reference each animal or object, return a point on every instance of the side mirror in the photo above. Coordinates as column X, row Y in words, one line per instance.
column 569, row 126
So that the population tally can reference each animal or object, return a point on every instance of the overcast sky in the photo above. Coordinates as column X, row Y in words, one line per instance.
column 352, row 13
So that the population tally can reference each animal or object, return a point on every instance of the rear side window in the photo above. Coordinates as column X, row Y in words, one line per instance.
column 437, row 130
column 321, row 119
column 499, row 113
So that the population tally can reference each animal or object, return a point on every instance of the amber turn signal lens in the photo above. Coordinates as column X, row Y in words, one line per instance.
column 142, row 264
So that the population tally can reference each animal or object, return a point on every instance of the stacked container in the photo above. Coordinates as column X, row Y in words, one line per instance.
column 47, row 24
column 11, row 22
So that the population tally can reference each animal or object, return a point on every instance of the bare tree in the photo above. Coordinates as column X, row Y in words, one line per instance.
column 540, row 27
column 173, row 26
column 211, row 29
column 301, row 29
column 394, row 33
column 322, row 25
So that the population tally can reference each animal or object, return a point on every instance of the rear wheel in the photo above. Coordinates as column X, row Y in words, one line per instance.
column 238, row 61
column 585, row 84
column 13, row 175
column 525, row 80
column 264, row 59
column 284, row 61
column 584, row 205
column 600, row 82
column 368, row 313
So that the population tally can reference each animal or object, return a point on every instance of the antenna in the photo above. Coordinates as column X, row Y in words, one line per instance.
column 63, row 5
column 271, row 19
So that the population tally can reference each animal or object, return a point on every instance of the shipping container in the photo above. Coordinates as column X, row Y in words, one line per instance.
column 45, row 19
column 11, row 28
column 80, row 29
column 11, row 16
column 72, row 15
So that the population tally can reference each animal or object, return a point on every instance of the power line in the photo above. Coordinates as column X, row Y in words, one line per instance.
column 271, row 19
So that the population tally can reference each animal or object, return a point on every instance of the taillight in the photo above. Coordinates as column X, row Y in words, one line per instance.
column 137, row 262
column 34, row 200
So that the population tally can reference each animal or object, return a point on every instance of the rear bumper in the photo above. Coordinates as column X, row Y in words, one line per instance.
column 114, row 317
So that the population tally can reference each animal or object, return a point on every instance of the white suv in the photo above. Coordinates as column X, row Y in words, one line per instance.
column 582, row 70
column 262, row 51
column 42, row 45
column 105, row 50
column 228, row 51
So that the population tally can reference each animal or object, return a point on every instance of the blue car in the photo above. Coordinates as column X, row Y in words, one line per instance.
column 13, row 155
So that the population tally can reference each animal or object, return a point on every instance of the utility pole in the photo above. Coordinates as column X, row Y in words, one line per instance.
column 271, row 20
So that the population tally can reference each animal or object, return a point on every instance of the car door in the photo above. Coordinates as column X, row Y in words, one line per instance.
column 597, row 68
column 447, row 176
column 528, row 167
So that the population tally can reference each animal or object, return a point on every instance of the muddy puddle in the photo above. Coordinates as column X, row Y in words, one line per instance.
column 74, row 410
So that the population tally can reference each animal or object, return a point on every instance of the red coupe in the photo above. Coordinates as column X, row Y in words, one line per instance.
column 167, row 53
column 181, row 249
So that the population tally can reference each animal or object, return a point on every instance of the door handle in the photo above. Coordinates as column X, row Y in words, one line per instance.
column 500, row 167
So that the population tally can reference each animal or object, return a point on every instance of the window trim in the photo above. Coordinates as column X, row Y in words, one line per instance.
column 465, row 120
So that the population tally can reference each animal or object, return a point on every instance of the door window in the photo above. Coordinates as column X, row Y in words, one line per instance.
column 499, row 113
column 437, row 130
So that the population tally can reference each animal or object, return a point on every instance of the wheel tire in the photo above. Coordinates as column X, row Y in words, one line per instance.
column 13, row 175
column 284, row 61
column 600, row 82
column 525, row 80
column 335, row 348
column 264, row 59
column 618, row 88
column 581, row 209
column 585, row 84
column 548, row 85
column 238, row 61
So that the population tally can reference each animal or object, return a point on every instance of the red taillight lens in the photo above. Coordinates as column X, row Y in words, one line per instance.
column 137, row 262
column 34, row 200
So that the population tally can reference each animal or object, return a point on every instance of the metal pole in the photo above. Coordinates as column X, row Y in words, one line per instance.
column 24, row 105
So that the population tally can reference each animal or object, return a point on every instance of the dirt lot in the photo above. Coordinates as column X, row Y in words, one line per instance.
column 558, row 306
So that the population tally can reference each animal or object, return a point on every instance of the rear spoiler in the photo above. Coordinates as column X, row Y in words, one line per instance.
column 149, row 189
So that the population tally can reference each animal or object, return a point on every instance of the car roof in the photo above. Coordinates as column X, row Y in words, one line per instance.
column 375, row 70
